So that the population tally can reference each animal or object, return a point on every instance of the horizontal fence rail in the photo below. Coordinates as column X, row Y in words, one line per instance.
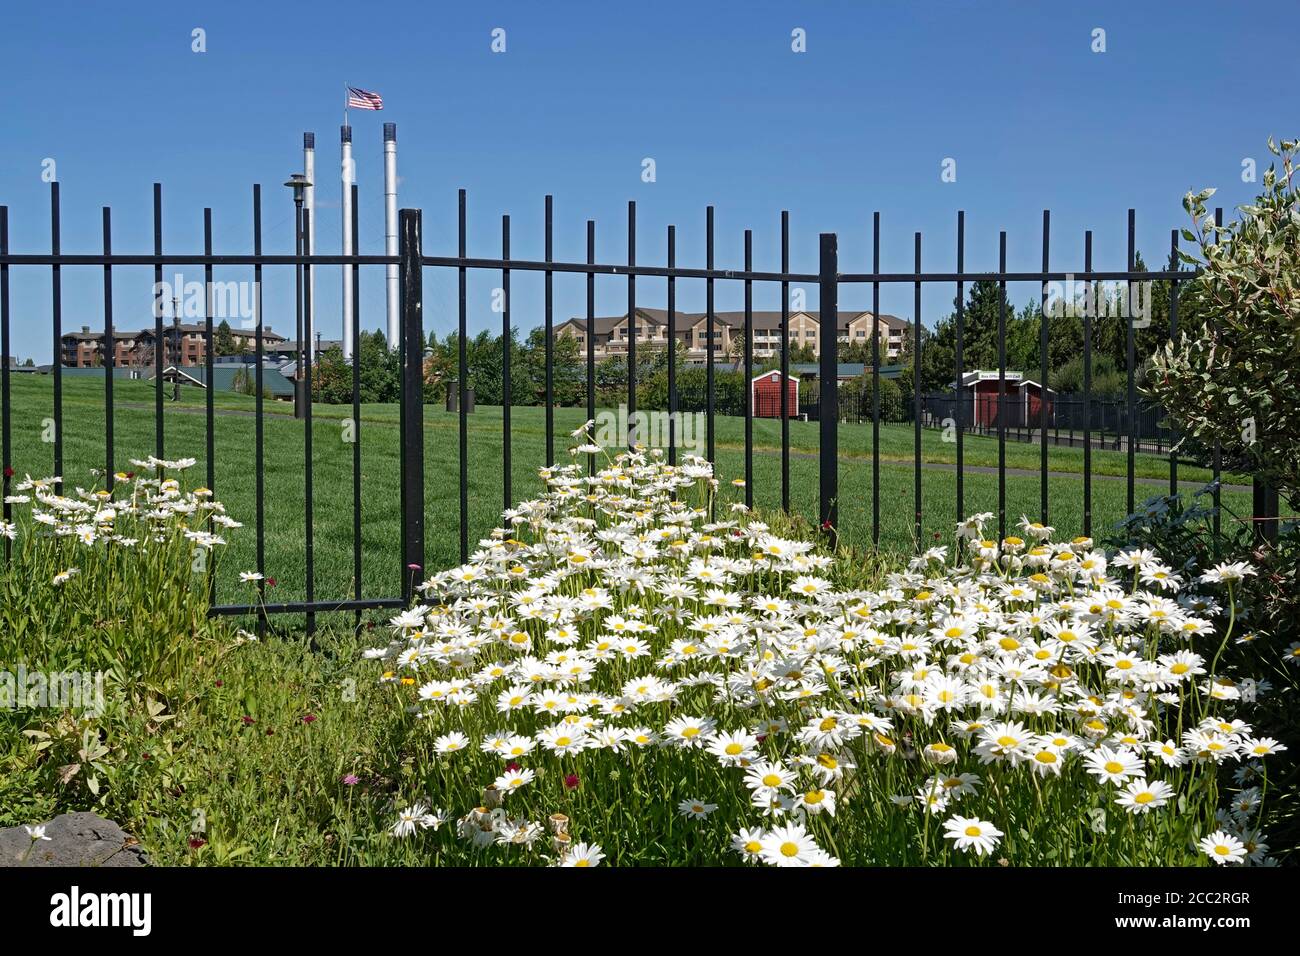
column 303, row 260
column 1076, row 419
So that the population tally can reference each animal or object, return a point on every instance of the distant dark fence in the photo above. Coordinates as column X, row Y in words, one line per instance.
column 1096, row 421
column 1108, row 421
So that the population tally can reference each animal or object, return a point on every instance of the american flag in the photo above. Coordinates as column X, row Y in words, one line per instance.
column 364, row 99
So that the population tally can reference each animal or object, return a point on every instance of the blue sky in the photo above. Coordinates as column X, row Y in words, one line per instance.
column 585, row 91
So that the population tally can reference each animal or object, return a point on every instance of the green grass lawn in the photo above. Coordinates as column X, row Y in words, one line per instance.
column 381, row 528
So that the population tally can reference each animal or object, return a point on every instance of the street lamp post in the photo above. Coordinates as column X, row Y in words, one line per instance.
column 299, row 183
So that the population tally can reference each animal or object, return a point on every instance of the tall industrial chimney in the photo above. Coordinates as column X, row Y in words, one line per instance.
column 349, row 176
column 390, row 227
column 309, row 203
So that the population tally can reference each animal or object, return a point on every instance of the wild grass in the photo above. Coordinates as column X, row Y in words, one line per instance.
column 214, row 748
column 234, row 478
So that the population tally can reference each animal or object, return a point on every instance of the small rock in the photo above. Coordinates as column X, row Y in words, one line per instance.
column 75, row 839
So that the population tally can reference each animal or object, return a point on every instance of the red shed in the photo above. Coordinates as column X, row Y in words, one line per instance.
column 1023, row 401
column 765, row 395
column 983, row 390
column 1033, row 395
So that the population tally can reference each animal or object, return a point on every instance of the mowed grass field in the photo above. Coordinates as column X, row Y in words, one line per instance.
column 133, row 423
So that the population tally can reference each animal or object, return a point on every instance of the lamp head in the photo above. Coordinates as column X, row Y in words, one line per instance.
column 298, row 183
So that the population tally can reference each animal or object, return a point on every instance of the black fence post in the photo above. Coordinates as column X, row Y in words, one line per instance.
column 828, row 386
column 916, row 399
column 785, row 362
column 549, row 328
column 110, row 360
column 410, row 253
column 158, row 350
column 6, row 401
column 1264, row 511
column 1131, row 362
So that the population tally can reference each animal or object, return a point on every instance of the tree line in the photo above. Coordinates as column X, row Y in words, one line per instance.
column 985, row 299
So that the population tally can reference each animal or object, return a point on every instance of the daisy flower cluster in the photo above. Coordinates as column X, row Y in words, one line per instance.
column 146, row 514
column 623, row 659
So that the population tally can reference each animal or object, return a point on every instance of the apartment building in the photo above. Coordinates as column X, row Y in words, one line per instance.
column 612, row 333
column 182, row 345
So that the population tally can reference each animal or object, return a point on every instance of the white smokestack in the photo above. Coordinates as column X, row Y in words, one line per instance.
column 309, row 203
column 390, row 226
column 349, row 176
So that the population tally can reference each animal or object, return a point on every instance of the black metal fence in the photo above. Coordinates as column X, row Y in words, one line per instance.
column 1109, row 421
column 1097, row 422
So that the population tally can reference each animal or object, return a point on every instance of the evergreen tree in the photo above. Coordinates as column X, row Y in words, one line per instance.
column 223, row 342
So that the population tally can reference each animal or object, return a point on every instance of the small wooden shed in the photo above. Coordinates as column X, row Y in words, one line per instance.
column 765, row 395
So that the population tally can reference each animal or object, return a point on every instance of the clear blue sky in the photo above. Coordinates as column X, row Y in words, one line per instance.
column 585, row 91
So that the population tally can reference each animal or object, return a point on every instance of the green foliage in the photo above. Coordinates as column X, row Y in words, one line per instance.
column 693, row 392
column 244, row 382
column 122, row 603
column 1180, row 530
column 857, row 403
column 223, row 341
column 1109, row 337
column 1106, row 378
column 803, row 353
column 1231, row 377
column 331, row 380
